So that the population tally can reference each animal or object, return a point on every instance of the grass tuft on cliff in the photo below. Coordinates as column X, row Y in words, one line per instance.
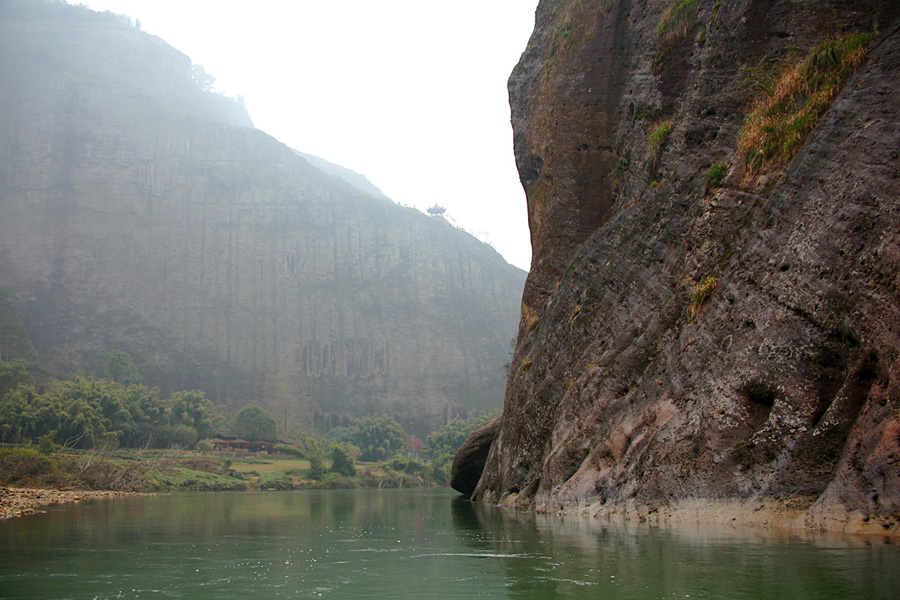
column 700, row 296
column 675, row 25
column 780, row 119
column 677, row 21
column 716, row 176
column 658, row 136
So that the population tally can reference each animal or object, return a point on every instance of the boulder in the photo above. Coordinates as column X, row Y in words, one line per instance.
column 471, row 456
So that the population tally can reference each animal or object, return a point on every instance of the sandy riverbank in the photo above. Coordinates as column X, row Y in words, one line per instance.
column 17, row 502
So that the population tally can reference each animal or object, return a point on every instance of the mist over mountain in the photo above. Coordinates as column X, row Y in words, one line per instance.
column 144, row 213
column 355, row 179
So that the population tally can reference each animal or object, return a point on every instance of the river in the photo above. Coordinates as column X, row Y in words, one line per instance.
column 417, row 544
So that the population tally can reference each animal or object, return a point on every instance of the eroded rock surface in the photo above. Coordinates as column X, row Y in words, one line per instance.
column 783, row 387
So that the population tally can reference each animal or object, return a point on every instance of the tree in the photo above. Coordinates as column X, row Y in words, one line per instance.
column 12, row 374
column 448, row 439
column 193, row 409
column 120, row 368
column 254, row 423
column 441, row 445
column 86, row 413
column 342, row 461
column 315, row 451
column 83, row 413
column 378, row 437
column 204, row 80
column 184, row 436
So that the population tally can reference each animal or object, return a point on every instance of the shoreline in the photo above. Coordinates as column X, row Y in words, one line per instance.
column 20, row 502
column 796, row 516
column 772, row 516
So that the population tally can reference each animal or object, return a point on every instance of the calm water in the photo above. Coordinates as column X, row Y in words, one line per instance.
column 374, row 544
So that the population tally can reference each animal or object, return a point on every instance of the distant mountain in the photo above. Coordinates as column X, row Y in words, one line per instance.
column 144, row 214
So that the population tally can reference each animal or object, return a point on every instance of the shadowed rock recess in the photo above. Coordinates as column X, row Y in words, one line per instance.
column 704, row 344
column 143, row 214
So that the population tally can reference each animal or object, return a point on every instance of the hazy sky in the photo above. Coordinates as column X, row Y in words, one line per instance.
column 410, row 93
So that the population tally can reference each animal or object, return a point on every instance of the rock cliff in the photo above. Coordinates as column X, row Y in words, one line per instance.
column 142, row 214
column 703, row 336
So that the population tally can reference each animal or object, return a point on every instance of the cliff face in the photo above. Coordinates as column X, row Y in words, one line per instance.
column 683, row 342
column 141, row 214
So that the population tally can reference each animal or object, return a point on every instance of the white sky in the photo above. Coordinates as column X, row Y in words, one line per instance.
column 410, row 93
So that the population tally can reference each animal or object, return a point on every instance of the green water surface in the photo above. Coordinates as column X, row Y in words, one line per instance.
column 418, row 544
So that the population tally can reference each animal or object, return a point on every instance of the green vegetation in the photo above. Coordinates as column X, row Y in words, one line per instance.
column 716, row 175
column 675, row 26
column 112, row 470
column 14, row 373
column 116, row 433
column 315, row 452
column 289, row 450
column 658, row 136
column 441, row 446
column 677, row 21
column 790, row 108
column 378, row 437
column 254, row 423
column 700, row 295
column 49, row 464
column 120, row 368
column 88, row 413
column 342, row 461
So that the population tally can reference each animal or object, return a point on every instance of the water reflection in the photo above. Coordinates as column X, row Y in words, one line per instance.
column 408, row 544
column 641, row 562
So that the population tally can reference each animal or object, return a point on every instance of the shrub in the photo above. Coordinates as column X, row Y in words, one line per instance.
column 18, row 464
column 289, row 450
column 342, row 461
column 410, row 466
column 780, row 119
column 316, row 468
column 46, row 445
column 716, row 175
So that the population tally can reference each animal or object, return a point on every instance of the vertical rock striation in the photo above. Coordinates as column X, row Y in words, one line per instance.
column 722, row 351
column 141, row 214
